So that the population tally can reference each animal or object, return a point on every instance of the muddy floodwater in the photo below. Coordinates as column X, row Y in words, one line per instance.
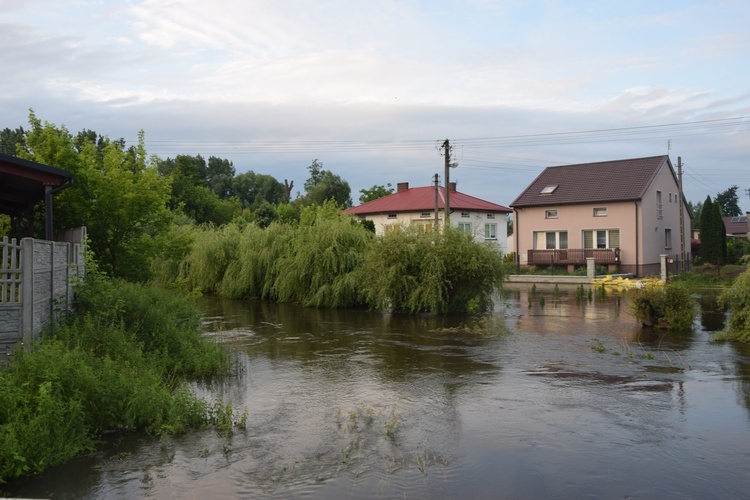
column 551, row 397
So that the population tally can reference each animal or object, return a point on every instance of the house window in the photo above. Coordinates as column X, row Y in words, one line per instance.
column 549, row 189
column 667, row 237
column 465, row 214
column 551, row 240
column 391, row 216
column 490, row 231
column 425, row 215
column 659, row 206
column 490, row 216
column 600, row 211
column 424, row 227
column 550, row 214
column 464, row 227
column 392, row 228
column 601, row 238
column 670, row 197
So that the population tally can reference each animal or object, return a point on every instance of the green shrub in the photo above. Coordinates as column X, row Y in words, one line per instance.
column 737, row 298
column 410, row 271
column 669, row 306
column 116, row 365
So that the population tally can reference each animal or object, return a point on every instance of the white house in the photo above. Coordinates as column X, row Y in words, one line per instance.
column 484, row 220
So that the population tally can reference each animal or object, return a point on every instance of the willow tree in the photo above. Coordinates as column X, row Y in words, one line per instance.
column 411, row 271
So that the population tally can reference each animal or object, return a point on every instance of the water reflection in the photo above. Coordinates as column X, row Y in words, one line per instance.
column 712, row 316
column 555, row 395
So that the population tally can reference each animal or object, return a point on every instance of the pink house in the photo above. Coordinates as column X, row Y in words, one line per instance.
column 624, row 213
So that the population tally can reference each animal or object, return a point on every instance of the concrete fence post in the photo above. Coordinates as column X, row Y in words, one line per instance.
column 590, row 268
column 663, row 258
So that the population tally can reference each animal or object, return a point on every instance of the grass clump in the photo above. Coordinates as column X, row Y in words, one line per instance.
column 669, row 306
column 737, row 298
column 119, row 364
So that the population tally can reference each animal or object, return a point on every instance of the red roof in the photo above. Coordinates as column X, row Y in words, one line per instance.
column 420, row 199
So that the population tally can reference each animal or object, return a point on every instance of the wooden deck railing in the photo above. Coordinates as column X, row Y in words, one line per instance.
column 573, row 256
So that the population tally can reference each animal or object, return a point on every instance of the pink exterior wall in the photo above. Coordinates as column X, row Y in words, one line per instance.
column 575, row 219
column 642, row 232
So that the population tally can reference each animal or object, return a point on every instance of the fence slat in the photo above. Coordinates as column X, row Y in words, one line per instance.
column 10, row 271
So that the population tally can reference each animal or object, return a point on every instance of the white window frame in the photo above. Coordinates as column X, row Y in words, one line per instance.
column 490, row 216
column 659, row 205
column 392, row 216
column 551, row 213
column 465, row 227
column 667, row 237
column 540, row 240
column 465, row 214
column 425, row 215
column 490, row 231
column 594, row 238
column 600, row 211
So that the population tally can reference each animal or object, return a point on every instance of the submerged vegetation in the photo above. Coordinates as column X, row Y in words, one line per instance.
column 669, row 306
column 330, row 262
column 119, row 365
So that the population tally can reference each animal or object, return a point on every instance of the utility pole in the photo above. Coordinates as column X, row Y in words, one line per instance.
column 447, row 149
column 437, row 203
column 683, row 267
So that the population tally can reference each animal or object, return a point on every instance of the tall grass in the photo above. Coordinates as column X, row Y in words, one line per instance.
column 119, row 364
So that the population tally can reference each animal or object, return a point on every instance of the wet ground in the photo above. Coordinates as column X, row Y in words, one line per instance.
column 551, row 397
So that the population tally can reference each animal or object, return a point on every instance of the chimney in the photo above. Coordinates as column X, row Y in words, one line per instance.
column 402, row 186
column 452, row 187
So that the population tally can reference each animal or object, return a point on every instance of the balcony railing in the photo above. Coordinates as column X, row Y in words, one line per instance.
column 573, row 256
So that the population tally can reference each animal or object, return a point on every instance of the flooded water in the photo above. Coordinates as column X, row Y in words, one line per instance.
column 552, row 397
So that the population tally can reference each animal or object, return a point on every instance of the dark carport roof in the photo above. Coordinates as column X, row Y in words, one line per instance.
column 607, row 181
column 23, row 183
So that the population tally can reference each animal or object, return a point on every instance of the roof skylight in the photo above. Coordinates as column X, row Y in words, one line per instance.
column 549, row 189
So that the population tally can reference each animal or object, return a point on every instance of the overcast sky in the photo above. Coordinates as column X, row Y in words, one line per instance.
column 371, row 88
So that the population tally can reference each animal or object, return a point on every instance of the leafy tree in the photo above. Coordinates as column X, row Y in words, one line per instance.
column 10, row 140
column 374, row 193
column 253, row 190
column 720, row 233
column 324, row 185
column 191, row 188
column 219, row 176
column 316, row 174
column 695, row 209
column 729, row 202
column 120, row 199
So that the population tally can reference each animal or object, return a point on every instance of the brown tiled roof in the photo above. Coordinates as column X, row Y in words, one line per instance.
column 735, row 225
column 607, row 181
column 420, row 199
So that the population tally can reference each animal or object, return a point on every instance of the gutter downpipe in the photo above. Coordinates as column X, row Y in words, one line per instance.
column 517, row 244
column 637, row 260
